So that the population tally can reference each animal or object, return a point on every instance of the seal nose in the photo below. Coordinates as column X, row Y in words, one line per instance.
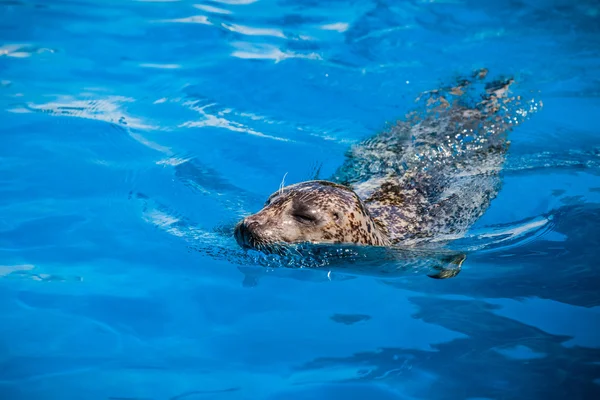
column 244, row 231
column 253, row 222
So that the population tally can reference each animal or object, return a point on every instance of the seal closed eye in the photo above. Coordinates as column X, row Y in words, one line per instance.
column 423, row 180
column 303, row 213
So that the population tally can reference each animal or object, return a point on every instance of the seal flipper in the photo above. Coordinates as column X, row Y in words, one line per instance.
column 252, row 276
column 451, row 267
column 250, row 281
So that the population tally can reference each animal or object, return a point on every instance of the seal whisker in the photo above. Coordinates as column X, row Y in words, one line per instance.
column 282, row 184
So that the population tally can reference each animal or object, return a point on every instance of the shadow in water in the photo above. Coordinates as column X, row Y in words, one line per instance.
column 502, row 358
column 561, row 265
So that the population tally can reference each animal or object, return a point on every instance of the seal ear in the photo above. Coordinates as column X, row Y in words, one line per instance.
column 451, row 267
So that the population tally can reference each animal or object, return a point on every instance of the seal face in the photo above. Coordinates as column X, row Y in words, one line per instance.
column 310, row 212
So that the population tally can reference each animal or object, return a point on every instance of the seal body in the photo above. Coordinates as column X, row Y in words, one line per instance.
column 431, row 178
column 425, row 179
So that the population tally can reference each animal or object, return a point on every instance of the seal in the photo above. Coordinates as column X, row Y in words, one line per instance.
column 427, row 178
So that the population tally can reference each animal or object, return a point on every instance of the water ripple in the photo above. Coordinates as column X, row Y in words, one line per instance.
column 135, row 134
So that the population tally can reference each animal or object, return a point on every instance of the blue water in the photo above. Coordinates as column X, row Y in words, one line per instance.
column 133, row 135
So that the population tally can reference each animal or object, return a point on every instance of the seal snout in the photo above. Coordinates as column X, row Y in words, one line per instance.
column 245, row 231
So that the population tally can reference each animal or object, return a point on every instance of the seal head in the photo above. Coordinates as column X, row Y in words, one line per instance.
column 310, row 212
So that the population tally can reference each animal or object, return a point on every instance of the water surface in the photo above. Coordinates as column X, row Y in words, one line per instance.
column 134, row 133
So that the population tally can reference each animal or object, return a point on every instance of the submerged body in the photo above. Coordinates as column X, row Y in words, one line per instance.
column 432, row 178
column 425, row 179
